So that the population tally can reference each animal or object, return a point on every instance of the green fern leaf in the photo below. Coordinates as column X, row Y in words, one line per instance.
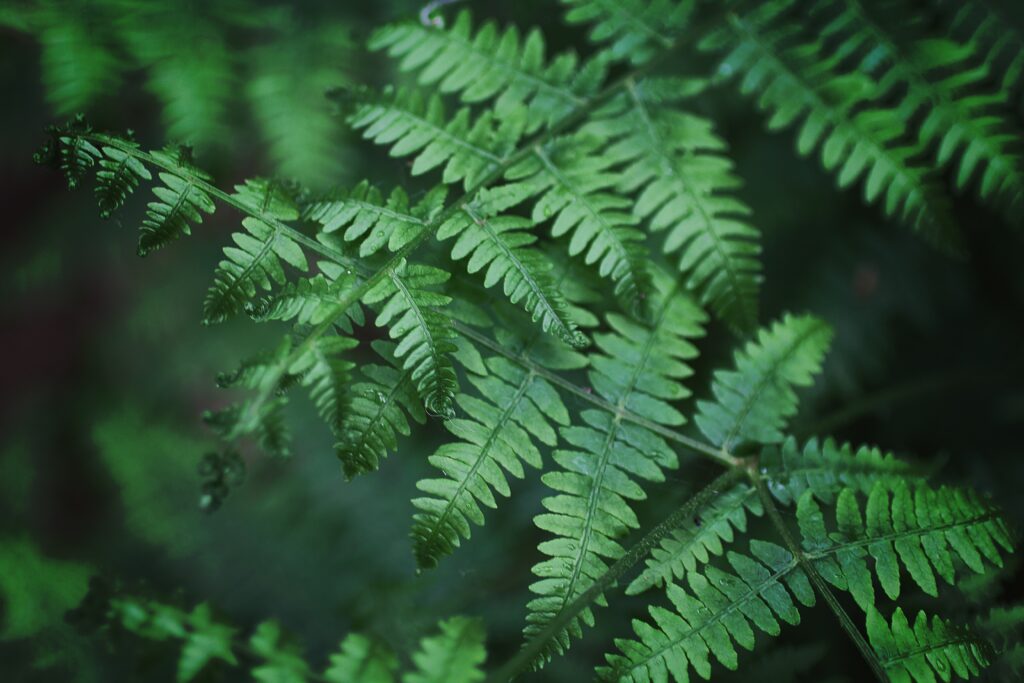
column 376, row 413
column 513, row 406
column 492, row 64
column 453, row 656
column 417, row 125
column 502, row 246
column 119, row 176
column 637, row 30
column 255, row 260
column 946, row 83
column 719, row 609
column 640, row 369
column 425, row 334
column 824, row 468
column 300, row 131
column 326, row 376
column 315, row 363
column 753, row 401
column 916, row 527
column 282, row 661
column 698, row 539
column 310, row 301
column 77, row 62
column 574, row 186
column 362, row 660
column 796, row 80
column 180, row 203
column 375, row 223
column 75, row 155
column 984, row 25
column 927, row 650
column 194, row 85
column 673, row 159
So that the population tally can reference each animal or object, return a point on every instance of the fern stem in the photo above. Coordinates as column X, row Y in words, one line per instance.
column 823, row 588
column 518, row 663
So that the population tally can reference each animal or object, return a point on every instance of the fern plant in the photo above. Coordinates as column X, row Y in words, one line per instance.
column 523, row 277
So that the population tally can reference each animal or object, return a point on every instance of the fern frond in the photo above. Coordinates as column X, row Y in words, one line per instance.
column 309, row 301
column 255, row 261
column 915, row 527
column 796, row 79
column 204, row 639
column 296, row 122
column 674, row 160
column 1003, row 628
column 119, row 176
column 325, row 374
column 314, row 362
column 574, row 187
column 495, row 438
column 425, row 335
column 180, row 203
column 720, row 609
column 416, row 125
column 193, row 85
column 375, row 223
column 946, row 82
column 753, row 401
column 502, row 246
column 825, row 467
column 377, row 411
column 637, row 30
column 69, row 149
column 694, row 542
column 453, row 656
column 982, row 24
column 77, row 62
column 492, row 64
column 640, row 368
column 927, row 650
column 281, row 661
column 361, row 660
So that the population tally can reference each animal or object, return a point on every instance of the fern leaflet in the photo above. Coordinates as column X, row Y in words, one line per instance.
column 424, row 334
column 926, row 649
column 377, row 412
column 916, row 526
column 673, row 160
column 492, row 64
column 255, row 260
column 753, row 401
column 640, row 368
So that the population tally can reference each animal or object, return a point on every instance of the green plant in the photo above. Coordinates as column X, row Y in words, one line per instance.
column 605, row 151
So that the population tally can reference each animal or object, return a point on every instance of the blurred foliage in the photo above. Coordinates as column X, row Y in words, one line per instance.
column 108, row 368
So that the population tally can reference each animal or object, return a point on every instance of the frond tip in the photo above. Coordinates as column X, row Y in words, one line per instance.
column 753, row 401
